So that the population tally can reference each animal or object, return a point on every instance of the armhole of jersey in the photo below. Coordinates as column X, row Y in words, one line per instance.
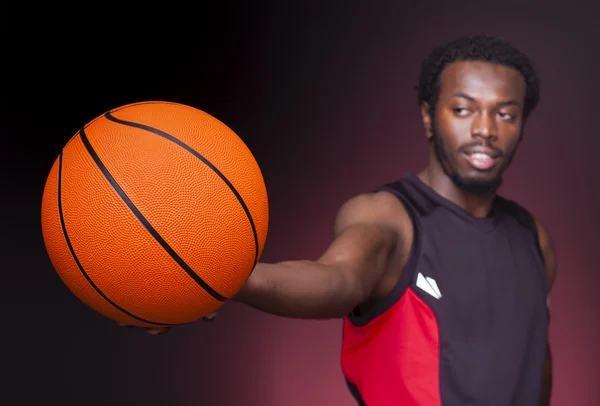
column 529, row 221
column 380, row 307
column 536, row 235
column 526, row 219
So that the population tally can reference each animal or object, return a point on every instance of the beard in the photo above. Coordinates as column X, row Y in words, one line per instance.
column 468, row 184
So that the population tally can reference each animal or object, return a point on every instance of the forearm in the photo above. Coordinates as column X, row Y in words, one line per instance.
column 300, row 289
column 547, row 381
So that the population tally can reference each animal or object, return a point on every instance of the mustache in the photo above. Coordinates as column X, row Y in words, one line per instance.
column 480, row 144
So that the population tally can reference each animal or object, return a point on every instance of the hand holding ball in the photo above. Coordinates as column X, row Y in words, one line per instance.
column 154, row 214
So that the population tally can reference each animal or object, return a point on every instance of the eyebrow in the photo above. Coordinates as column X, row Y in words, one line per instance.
column 502, row 103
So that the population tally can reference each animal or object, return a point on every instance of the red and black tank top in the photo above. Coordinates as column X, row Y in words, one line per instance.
column 467, row 322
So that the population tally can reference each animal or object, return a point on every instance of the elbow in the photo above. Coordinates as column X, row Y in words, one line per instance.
column 354, row 293
column 348, row 287
column 360, row 293
column 341, row 293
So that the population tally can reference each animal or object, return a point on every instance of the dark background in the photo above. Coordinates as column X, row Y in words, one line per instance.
column 323, row 96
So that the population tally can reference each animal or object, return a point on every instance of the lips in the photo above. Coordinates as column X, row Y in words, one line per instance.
column 481, row 157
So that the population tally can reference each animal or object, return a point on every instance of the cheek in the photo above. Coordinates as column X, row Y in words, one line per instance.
column 511, row 140
column 454, row 133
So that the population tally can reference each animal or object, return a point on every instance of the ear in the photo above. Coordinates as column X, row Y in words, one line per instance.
column 425, row 113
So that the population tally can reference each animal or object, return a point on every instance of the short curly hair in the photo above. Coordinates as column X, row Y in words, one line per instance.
column 476, row 48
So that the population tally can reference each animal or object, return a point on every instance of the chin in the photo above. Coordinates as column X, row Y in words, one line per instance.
column 477, row 183
column 479, row 176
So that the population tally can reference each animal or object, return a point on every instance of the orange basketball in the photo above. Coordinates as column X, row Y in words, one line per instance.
column 154, row 214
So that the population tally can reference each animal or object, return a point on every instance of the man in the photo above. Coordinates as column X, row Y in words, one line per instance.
column 441, row 283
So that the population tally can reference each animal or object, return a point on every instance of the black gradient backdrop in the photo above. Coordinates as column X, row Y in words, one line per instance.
column 323, row 95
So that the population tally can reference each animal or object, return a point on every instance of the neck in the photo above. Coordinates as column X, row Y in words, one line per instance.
column 476, row 205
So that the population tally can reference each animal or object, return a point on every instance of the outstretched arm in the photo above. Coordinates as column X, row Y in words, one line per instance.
column 366, row 238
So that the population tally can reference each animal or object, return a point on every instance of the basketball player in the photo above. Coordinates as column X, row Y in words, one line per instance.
column 441, row 283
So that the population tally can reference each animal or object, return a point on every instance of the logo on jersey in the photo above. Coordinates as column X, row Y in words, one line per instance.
column 428, row 285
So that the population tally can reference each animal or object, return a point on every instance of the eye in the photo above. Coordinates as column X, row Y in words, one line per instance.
column 506, row 116
column 460, row 111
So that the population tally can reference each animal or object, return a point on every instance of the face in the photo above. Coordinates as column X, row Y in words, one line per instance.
column 477, row 123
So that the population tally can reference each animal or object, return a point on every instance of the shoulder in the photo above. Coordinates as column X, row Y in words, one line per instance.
column 377, row 208
column 381, row 215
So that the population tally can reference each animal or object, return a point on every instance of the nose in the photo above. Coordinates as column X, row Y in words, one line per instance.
column 484, row 126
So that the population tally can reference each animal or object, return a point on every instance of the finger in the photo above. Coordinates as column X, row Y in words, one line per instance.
column 210, row 317
column 157, row 330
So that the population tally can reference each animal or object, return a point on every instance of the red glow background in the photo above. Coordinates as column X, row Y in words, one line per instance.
column 323, row 95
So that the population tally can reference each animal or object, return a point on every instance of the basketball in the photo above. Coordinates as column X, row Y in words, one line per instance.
column 154, row 214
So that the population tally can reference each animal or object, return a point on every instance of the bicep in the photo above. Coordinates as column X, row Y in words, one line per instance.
column 365, row 241
column 361, row 246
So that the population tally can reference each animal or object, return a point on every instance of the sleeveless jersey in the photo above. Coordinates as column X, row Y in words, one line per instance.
column 467, row 322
